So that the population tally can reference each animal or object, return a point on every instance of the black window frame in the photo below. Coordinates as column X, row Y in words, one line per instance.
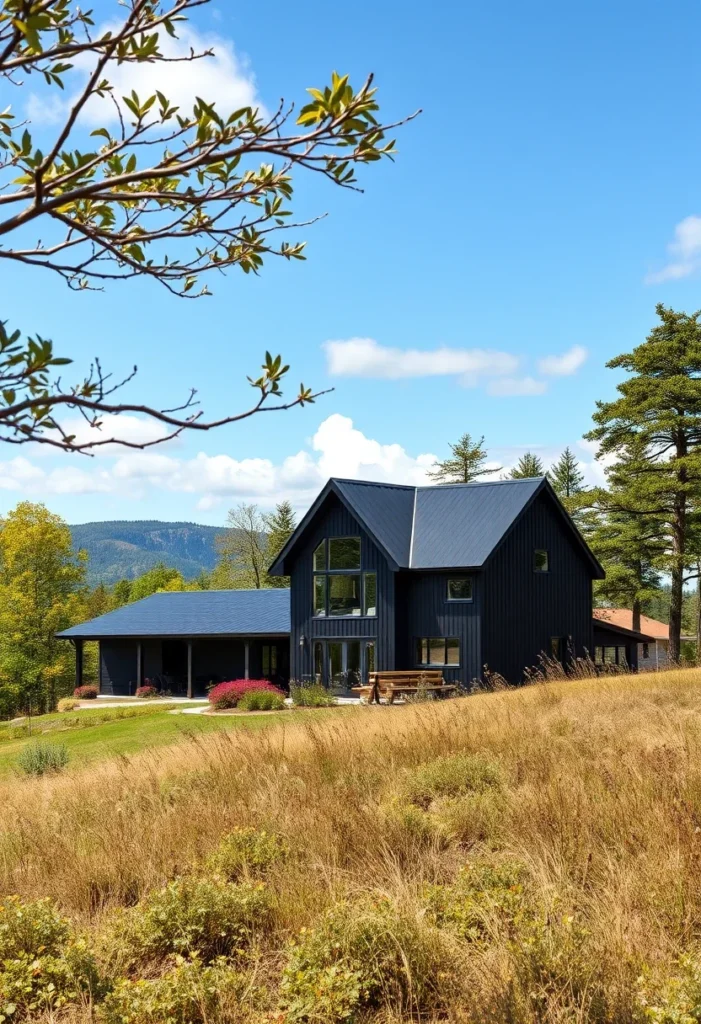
column 541, row 551
column 326, row 572
column 460, row 600
column 419, row 642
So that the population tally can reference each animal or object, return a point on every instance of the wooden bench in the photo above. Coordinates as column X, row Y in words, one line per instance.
column 399, row 683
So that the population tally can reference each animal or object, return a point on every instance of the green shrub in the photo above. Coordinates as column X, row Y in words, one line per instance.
column 10, row 700
column 211, row 917
column 33, row 928
column 448, row 776
column 261, row 700
column 678, row 999
column 189, row 994
column 42, row 966
column 364, row 957
column 30, row 984
column 311, row 695
column 484, row 899
column 68, row 704
column 40, row 758
column 246, row 852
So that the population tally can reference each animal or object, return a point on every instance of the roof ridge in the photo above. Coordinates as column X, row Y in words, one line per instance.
column 481, row 483
column 372, row 483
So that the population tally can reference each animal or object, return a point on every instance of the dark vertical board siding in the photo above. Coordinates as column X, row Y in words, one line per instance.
column 117, row 667
column 424, row 611
column 524, row 609
column 334, row 520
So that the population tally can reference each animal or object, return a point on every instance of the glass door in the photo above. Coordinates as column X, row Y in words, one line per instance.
column 343, row 665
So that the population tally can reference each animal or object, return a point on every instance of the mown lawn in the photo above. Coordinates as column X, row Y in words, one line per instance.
column 94, row 734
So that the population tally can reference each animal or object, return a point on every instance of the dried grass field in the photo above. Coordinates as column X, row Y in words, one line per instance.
column 522, row 856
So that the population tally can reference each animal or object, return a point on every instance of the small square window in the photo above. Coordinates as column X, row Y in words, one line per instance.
column 541, row 562
column 460, row 589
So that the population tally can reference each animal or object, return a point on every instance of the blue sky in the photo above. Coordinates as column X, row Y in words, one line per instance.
column 546, row 199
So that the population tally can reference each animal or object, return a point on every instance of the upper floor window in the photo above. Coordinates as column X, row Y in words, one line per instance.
column 460, row 589
column 340, row 588
column 541, row 561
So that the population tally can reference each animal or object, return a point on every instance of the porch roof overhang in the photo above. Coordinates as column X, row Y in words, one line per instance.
column 602, row 627
column 192, row 615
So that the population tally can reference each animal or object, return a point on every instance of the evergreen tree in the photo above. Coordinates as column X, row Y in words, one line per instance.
column 528, row 465
column 655, row 425
column 280, row 525
column 121, row 593
column 565, row 476
column 41, row 593
column 466, row 463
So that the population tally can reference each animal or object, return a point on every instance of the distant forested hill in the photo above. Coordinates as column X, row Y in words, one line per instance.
column 120, row 550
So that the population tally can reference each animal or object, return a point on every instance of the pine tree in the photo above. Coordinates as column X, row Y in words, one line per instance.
column 565, row 476
column 655, row 424
column 280, row 525
column 528, row 465
column 466, row 463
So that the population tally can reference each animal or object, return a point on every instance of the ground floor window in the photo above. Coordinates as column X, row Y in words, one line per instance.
column 342, row 664
column 558, row 648
column 269, row 661
column 610, row 656
column 438, row 650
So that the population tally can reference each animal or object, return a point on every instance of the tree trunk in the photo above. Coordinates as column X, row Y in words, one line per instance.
column 636, row 615
column 675, row 602
column 698, row 612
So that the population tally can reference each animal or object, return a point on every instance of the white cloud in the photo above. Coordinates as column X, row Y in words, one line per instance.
column 509, row 387
column 365, row 357
column 336, row 449
column 563, row 365
column 685, row 253
column 224, row 79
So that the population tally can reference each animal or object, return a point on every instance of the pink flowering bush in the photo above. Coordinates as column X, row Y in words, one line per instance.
column 227, row 695
column 86, row 692
column 146, row 691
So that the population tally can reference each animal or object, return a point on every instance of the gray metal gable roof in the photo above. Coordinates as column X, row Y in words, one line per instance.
column 459, row 525
column 193, row 613
column 388, row 511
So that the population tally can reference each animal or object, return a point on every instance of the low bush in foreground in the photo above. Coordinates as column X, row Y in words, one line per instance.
column 228, row 695
column 41, row 758
column 246, row 852
column 68, row 704
column 311, row 695
column 87, row 692
column 262, row 700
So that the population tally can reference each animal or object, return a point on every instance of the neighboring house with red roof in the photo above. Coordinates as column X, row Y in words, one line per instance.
column 614, row 638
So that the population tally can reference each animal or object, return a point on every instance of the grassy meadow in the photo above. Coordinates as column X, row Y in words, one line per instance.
column 525, row 856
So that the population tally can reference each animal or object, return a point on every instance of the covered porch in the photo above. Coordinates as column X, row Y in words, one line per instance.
column 616, row 646
column 183, row 643
column 185, row 666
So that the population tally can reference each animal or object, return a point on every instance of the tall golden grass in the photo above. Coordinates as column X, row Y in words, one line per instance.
column 599, row 805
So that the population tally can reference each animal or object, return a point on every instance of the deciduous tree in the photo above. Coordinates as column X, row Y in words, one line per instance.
column 243, row 551
column 171, row 195
column 41, row 593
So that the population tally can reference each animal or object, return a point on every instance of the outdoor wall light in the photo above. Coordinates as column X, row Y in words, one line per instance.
column 302, row 640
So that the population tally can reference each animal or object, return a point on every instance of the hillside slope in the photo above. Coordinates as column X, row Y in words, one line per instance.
column 119, row 550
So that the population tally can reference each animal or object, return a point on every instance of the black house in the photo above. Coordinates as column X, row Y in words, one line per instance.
column 383, row 577
column 458, row 577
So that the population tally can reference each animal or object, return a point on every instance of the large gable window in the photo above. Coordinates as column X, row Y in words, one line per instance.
column 340, row 588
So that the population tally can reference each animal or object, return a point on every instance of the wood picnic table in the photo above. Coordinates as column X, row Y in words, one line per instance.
column 397, row 683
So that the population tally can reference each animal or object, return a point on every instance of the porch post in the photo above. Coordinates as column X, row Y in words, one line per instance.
column 189, row 669
column 79, row 663
column 139, row 664
column 246, row 658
